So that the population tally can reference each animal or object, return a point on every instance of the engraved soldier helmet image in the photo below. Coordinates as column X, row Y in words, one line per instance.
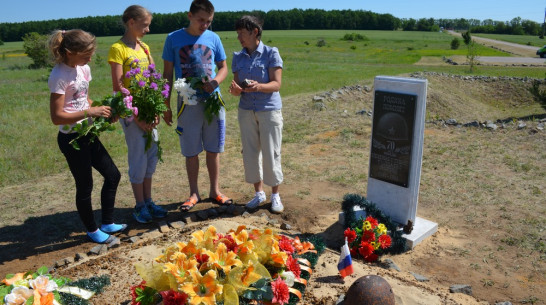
column 392, row 126
column 369, row 290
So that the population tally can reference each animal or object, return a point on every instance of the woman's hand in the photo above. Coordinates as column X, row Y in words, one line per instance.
column 100, row 111
column 235, row 89
column 251, row 86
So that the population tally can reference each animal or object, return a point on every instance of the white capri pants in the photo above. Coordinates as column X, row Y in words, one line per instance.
column 261, row 137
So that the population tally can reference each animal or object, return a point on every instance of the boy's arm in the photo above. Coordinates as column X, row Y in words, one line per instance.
column 219, row 78
column 168, row 74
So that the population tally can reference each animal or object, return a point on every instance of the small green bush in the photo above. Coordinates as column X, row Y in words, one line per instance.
column 321, row 43
column 354, row 37
column 35, row 46
column 455, row 43
column 353, row 47
column 1, row 42
column 99, row 60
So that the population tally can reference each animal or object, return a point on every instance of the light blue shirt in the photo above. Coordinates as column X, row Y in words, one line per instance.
column 256, row 66
column 193, row 56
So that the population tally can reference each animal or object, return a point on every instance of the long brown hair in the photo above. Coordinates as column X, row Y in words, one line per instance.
column 73, row 41
column 137, row 12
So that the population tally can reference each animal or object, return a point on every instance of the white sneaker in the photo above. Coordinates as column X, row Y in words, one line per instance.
column 255, row 202
column 276, row 204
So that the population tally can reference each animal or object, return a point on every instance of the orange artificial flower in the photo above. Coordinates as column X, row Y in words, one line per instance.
column 15, row 278
column 202, row 289
column 223, row 259
column 204, row 239
column 249, row 276
column 169, row 251
column 181, row 267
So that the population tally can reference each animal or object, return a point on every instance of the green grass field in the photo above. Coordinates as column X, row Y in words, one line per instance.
column 27, row 136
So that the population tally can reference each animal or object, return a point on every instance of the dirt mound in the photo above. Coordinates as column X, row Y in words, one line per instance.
column 484, row 188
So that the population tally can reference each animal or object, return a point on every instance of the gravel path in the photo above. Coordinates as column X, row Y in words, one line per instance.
column 523, row 54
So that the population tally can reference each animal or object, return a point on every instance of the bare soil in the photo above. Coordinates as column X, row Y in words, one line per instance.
column 484, row 188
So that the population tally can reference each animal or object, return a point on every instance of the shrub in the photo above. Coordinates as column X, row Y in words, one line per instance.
column 538, row 94
column 35, row 46
column 99, row 60
column 455, row 43
column 1, row 42
column 321, row 43
column 354, row 37
column 353, row 47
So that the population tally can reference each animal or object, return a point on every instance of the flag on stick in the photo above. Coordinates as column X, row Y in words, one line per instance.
column 345, row 264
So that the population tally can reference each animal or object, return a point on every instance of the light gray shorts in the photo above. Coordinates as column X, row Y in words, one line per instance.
column 196, row 134
column 142, row 164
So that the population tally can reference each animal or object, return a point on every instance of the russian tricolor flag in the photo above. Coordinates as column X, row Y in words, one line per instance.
column 345, row 264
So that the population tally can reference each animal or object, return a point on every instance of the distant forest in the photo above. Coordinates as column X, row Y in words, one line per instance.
column 295, row 19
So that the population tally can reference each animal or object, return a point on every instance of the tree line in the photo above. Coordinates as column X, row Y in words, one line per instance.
column 294, row 19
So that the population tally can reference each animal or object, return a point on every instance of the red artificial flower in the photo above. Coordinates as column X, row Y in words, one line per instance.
column 368, row 236
column 280, row 291
column 371, row 258
column 372, row 221
column 228, row 240
column 365, row 249
column 172, row 297
column 354, row 251
column 385, row 241
column 292, row 265
column 202, row 258
column 350, row 234
column 134, row 294
column 285, row 244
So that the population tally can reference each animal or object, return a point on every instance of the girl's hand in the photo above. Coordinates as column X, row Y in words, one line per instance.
column 100, row 111
column 235, row 89
column 143, row 125
column 156, row 121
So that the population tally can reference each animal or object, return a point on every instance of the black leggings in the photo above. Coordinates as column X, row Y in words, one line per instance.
column 91, row 154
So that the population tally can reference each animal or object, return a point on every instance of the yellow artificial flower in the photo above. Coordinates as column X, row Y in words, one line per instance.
column 181, row 267
column 167, row 253
column 204, row 239
column 375, row 245
column 366, row 226
column 382, row 229
column 249, row 275
column 243, row 276
column 223, row 259
column 202, row 289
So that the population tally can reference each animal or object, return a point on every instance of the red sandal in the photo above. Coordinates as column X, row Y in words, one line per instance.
column 222, row 200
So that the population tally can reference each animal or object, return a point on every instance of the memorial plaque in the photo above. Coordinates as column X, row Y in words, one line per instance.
column 393, row 121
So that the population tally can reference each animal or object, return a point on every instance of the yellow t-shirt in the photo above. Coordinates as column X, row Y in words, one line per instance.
column 121, row 54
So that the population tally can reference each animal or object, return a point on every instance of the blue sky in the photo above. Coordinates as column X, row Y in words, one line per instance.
column 498, row 10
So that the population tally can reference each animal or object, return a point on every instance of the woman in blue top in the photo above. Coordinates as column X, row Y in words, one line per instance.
column 257, row 74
